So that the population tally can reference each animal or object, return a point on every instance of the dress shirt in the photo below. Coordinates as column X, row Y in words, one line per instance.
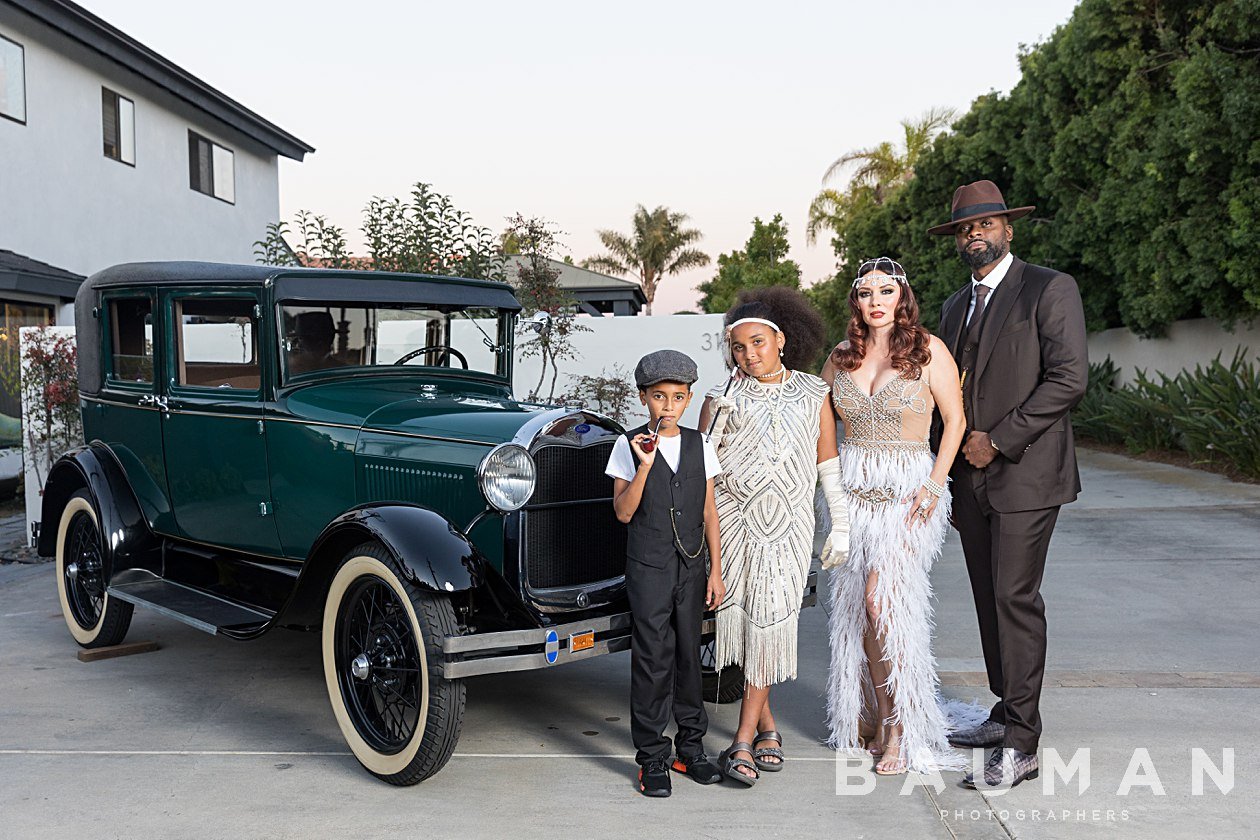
column 991, row 280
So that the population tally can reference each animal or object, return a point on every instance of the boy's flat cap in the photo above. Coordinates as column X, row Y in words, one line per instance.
column 665, row 366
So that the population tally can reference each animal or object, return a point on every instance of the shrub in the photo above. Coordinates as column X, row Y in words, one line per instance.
column 609, row 393
column 1211, row 413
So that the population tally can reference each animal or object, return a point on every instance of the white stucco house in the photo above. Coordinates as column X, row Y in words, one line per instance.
column 111, row 153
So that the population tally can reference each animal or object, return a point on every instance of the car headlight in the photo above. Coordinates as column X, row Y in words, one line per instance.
column 506, row 476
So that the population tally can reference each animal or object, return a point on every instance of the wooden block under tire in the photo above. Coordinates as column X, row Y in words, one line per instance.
column 94, row 654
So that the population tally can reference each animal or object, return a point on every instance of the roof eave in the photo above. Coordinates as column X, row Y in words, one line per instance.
column 81, row 25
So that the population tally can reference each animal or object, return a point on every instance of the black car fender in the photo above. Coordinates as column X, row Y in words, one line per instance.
column 427, row 546
column 128, row 540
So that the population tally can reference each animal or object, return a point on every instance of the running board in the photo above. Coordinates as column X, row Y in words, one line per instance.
column 206, row 612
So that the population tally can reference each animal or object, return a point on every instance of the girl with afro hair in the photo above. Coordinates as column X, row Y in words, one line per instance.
column 775, row 434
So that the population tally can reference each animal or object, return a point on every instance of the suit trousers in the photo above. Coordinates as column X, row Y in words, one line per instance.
column 666, row 607
column 1006, row 557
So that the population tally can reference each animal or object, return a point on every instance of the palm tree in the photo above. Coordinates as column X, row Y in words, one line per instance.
column 881, row 170
column 658, row 245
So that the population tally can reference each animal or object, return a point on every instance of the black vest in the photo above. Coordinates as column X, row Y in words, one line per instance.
column 650, row 538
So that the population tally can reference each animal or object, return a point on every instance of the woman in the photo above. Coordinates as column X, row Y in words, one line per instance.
column 772, row 426
column 885, row 380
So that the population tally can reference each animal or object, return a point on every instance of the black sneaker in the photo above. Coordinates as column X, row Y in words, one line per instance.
column 654, row 779
column 699, row 768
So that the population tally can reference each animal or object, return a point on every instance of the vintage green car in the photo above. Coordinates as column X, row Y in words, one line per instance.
column 336, row 451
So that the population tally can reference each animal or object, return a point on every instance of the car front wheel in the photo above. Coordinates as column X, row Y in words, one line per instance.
column 94, row 619
column 382, row 648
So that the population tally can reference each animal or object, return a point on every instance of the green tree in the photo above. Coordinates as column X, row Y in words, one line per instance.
column 548, row 324
column 1132, row 128
column 318, row 242
column 763, row 262
column 875, row 173
column 423, row 234
column 427, row 234
column 657, row 245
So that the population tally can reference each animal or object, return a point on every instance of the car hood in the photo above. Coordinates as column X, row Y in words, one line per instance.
column 479, row 413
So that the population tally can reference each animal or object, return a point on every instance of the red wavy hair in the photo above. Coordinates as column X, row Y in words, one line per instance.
column 909, row 341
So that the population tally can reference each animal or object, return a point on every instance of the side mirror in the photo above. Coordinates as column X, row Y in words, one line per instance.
column 538, row 321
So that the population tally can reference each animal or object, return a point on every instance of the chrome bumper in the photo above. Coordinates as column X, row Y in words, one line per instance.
column 544, row 647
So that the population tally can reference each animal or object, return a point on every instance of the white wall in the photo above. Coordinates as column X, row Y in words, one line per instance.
column 622, row 342
column 63, row 202
column 1188, row 343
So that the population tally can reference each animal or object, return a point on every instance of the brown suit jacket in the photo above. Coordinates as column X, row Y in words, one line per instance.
column 1032, row 367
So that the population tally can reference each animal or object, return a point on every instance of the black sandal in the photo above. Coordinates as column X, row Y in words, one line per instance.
column 772, row 752
column 731, row 764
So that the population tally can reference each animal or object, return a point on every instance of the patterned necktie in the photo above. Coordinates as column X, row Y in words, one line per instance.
column 973, row 323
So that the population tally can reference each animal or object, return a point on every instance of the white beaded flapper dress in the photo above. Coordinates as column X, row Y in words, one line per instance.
column 768, row 448
column 884, row 459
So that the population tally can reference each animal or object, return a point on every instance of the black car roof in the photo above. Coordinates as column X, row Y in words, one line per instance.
column 194, row 273
column 289, row 283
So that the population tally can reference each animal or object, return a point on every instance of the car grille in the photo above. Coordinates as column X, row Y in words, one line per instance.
column 571, row 473
column 573, row 544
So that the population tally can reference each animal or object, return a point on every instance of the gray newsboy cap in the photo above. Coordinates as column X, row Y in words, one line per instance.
column 665, row 366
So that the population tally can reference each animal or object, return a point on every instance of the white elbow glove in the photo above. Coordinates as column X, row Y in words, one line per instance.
column 836, row 549
column 719, row 409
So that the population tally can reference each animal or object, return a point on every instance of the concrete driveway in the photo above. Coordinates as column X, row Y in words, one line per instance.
column 1151, row 591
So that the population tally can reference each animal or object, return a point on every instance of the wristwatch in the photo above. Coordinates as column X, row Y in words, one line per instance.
column 993, row 443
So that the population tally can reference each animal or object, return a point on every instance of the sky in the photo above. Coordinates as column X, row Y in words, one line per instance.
column 579, row 111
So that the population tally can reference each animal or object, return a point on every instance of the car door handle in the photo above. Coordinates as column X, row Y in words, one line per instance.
column 159, row 402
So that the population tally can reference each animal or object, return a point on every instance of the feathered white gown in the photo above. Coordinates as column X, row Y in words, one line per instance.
column 884, row 460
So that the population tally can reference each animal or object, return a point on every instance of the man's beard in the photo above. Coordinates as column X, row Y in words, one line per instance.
column 990, row 253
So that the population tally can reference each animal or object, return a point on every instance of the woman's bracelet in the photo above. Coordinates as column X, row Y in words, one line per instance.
column 932, row 487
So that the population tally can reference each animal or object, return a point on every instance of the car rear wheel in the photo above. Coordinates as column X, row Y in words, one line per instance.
column 93, row 618
column 726, row 686
column 382, row 647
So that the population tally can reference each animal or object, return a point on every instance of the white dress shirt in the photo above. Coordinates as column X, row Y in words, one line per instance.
column 991, row 280
column 621, row 462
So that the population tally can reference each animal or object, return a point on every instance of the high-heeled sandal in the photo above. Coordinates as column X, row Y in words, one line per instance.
column 899, row 763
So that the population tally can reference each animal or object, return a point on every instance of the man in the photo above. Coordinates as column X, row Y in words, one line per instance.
column 1018, row 333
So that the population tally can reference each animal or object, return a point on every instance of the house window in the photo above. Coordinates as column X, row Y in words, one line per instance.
column 12, row 80
column 13, row 316
column 118, row 120
column 211, row 168
column 218, row 345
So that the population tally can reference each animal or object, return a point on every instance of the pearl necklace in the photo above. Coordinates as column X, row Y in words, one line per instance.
column 776, row 450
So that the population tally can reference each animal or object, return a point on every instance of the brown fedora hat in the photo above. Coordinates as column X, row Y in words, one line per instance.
column 975, row 201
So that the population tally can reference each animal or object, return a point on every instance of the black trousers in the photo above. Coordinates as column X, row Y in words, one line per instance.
column 666, row 606
column 1006, row 557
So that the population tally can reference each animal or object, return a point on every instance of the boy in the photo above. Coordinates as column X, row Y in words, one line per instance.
column 668, row 503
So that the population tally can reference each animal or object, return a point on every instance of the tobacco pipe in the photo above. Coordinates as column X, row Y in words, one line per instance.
column 650, row 444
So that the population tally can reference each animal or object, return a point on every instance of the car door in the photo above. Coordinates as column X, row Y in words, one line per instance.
column 125, row 414
column 216, row 448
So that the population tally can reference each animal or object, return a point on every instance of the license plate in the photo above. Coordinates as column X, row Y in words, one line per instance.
column 581, row 641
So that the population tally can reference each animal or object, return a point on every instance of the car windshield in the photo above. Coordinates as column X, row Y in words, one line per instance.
column 320, row 336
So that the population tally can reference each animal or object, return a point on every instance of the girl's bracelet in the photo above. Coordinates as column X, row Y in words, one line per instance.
column 932, row 487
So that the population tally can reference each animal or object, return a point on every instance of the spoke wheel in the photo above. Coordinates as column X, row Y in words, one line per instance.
column 378, row 664
column 730, row 688
column 382, row 644
column 93, row 618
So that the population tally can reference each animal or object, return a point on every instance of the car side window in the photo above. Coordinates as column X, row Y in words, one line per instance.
column 217, row 345
column 131, row 340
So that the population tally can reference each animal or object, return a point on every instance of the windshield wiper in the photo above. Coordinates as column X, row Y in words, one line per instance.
column 489, row 342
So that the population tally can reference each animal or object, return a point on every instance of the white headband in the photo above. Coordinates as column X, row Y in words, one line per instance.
column 735, row 324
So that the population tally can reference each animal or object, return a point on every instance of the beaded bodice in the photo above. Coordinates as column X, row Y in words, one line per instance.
column 900, row 411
